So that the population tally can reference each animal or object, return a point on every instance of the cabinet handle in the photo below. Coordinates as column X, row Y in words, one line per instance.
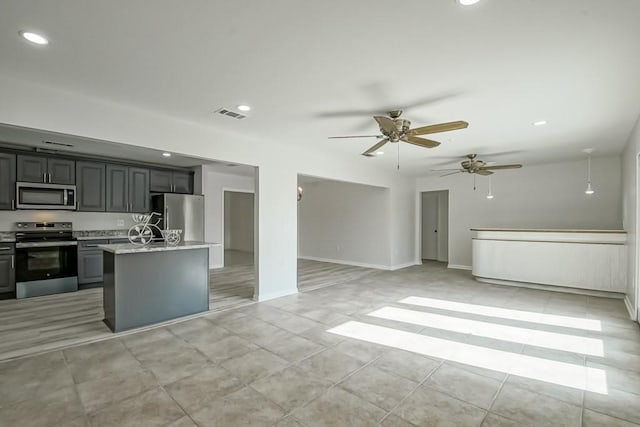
column 44, row 177
column 5, row 248
column 13, row 265
column 90, row 246
column 13, row 205
column 49, row 178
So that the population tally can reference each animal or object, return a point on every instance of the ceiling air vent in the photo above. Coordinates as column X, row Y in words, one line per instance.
column 233, row 114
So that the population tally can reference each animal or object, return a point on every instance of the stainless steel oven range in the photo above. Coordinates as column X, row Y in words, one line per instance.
column 46, row 259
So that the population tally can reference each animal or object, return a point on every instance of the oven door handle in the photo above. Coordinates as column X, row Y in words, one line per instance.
column 44, row 244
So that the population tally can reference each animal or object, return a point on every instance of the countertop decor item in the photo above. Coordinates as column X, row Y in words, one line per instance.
column 172, row 237
column 142, row 233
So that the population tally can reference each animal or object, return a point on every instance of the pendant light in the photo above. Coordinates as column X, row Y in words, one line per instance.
column 589, row 191
column 489, row 194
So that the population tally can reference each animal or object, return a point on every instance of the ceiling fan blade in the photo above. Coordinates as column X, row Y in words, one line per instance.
column 453, row 173
column 445, row 170
column 483, row 172
column 441, row 127
column 499, row 167
column 356, row 136
column 421, row 142
column 386, row 124
column 371, row 151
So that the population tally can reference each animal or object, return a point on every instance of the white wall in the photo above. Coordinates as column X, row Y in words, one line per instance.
column 345, row 222
column 536, row 196
column 279, row 165
column 238, row 221
column 213, row 186
column 80, row 220
column 630, row 214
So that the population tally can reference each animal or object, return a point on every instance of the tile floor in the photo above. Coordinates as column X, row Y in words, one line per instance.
column 424, row 346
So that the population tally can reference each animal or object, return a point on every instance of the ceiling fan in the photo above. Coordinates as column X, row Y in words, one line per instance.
column 477, row 166
column 395, row 129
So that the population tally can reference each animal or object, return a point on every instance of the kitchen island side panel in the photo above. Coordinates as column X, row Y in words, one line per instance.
column 153, row 287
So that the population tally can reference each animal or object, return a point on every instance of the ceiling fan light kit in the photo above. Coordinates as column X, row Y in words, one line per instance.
column 477, row 166
column 394, row 129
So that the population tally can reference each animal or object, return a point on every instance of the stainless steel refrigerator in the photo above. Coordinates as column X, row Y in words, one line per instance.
column 181, row 211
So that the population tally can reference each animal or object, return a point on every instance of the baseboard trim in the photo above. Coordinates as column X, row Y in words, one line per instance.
column 553, row 288
column 405, row 265
column 352, row 263
column 459, row 267
column 632, row 312
column 275, row 295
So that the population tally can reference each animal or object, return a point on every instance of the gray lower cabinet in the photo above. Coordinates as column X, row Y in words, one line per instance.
column 91, row 188
column 89, row 266
column 90, row 260
column 7, row 181
column 7, row 268
column 45, row 170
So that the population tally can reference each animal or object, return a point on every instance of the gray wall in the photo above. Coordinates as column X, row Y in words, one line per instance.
column 345, row 222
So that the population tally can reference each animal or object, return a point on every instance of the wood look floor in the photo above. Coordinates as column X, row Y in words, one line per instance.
column 35, row 325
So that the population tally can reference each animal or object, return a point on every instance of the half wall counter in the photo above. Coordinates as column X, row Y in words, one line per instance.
column 591, row 260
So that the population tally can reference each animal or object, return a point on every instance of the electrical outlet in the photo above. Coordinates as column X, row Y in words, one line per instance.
column 120, row 223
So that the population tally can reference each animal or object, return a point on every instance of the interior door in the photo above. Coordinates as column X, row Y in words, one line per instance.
column 430, row 225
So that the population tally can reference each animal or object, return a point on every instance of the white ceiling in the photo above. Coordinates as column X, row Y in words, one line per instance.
column 500, row 65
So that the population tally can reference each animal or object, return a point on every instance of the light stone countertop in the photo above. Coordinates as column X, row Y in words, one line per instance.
column 129, row 248
column 99, row 234
column 7, row 236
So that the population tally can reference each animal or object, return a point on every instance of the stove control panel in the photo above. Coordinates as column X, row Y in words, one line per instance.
column 44, row 226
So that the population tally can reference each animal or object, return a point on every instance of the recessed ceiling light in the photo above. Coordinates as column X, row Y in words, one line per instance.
column 468, row 2
column 540, row 123
column 379, row 153
column 244, row 108
column 166, row 154
column 34, row 38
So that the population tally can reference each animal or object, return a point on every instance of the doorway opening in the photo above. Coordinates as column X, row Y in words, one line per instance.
column 239, row 235
column 434, row 225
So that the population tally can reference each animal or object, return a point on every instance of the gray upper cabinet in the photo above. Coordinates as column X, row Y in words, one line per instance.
column 7, row 181
column 164, row 181
column 32, row 168
column 91, row 188
column 117, row 188
column 160, row 181
column 139, row 198
column 182, row 182
column 61, row 171
column 48, row 170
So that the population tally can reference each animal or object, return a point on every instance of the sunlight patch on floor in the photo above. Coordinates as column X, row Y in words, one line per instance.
column 552, row 340
column 561, row 373
column 505, row 313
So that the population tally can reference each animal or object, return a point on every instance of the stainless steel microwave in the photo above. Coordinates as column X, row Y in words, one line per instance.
column 31, row 195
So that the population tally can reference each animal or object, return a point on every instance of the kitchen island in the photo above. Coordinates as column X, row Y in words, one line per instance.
column 588, row 261
column 149, row 284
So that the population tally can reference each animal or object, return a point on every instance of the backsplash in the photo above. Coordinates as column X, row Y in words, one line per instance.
column 80, row 220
